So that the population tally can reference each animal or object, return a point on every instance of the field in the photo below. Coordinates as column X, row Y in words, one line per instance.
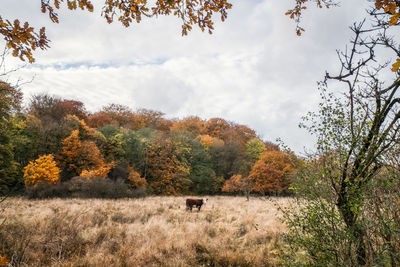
column 154, row 231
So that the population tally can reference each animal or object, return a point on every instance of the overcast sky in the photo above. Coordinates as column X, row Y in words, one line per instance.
column 253, row 70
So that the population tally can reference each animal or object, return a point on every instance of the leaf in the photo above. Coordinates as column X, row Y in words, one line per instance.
column 396, row 65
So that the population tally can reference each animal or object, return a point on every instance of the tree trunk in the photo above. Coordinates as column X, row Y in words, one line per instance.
column 350, row 218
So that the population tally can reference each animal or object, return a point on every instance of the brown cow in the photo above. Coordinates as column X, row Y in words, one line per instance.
column 198, row 202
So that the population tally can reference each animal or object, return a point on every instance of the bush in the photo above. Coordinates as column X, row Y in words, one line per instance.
column 81, row 187
column 317, row 234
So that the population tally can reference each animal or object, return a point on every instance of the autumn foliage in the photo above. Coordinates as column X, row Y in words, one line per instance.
column 4, row 260
column 164, row 174
column 77, row 156
column 271, row 172
column 238, row 183
column 128, row 149
column 209, row 141
column 135, row 180
column 44, row 169
column 101, row 171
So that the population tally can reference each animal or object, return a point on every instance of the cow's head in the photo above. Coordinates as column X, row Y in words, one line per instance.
column 205, row 200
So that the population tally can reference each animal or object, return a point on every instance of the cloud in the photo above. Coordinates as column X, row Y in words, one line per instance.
column 253, row 70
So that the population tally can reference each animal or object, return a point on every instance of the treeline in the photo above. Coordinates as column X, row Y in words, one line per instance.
column 56, row 143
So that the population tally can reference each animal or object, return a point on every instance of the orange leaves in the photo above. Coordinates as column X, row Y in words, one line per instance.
column 209, row 141
column 396, row 65
column 77, row 156
column 271, row 171
column 135, row 180
column 42, row 169
column 101, row 171
column 22, row 39
column 391, row 7
column 195, row 125
column 4, row 260
column 236, row 183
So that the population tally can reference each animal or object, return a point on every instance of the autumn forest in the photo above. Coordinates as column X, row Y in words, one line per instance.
column 55, row 141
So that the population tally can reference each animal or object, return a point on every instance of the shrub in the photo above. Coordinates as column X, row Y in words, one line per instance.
column 81, row 187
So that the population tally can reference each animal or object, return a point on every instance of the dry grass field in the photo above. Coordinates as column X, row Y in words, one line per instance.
column 154, row 231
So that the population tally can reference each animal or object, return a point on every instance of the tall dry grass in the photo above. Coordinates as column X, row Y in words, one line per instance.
column 154, row 231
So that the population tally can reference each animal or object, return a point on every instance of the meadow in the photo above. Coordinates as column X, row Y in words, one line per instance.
column 152, row 231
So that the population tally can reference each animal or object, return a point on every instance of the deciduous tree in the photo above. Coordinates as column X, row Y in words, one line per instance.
column 357, row 132
column 193, row 124
column 254, row 148
column 44, row 169
column 164, row 174
column 238, row 183
column 135, row 180
column 77, row 156
column 10, row 99
column 270, row 173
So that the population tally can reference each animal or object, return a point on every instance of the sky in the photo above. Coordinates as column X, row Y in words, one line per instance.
column 253, row 70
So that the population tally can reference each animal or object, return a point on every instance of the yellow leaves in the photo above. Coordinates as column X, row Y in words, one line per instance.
column 396, row 65
column 42, row 169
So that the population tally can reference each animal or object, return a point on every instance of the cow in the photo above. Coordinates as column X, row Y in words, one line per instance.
column 198, row 202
